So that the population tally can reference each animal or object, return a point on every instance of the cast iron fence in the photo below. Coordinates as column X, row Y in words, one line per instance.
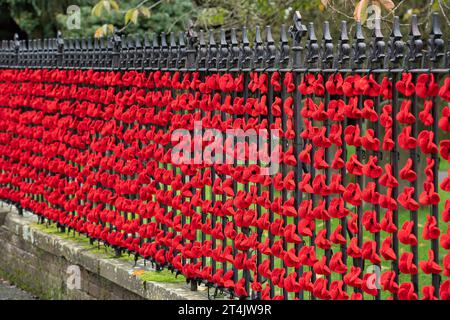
column 85, row 142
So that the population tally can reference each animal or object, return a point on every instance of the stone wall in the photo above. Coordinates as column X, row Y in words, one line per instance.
column 42, row 263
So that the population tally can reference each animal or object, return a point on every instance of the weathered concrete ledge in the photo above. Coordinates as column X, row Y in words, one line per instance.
column 39, row 263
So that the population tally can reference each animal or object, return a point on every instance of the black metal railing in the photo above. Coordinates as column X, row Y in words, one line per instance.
column 298, row 51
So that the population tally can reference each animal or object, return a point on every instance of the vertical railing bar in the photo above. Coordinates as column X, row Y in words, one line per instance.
column 234, row 63
column 415, row 46
column 344, row 51
column 311, row 61
column 212, row 67
column 222, row 64
column 376, row 59
column 284, row 141
column 297, row 31
column 200, row 62
column 327, row 61
column 395, row 54
column 359, row 54
column 435, row 54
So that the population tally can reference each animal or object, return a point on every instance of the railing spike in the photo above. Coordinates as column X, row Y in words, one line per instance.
column 258, row 47
column 343, row 45
column 327, row 46
column 235, row 50
column 435, row 24
column 247, row 52
column 202, row 50
column 284, row 48
column 258, row 37
column 163, row 40
column 377, row 45
column 212, row 51
column 435, row 42
column 223, row 52
column 297, row 31
column 211, row 41
column 359, row 46
column 415, row 43
column 173, row 43
column 312, row 47
column 396, row 44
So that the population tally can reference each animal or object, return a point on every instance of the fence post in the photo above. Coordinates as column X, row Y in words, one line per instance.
column 116, row 41
column 16, row 48
column 59, row 50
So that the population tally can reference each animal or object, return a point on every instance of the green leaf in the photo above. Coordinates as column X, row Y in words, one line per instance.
column 107, row 6
column 131, row 16
column 97, row 9
column 145, row 11
column 114, row 5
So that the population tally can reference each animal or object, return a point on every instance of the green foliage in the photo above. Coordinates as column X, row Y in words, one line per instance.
column 42, row 18
column 170, row 15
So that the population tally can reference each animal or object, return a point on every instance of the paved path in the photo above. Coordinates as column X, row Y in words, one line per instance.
column 10, row 292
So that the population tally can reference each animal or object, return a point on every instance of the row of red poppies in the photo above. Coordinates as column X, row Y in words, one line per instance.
column 336, row 84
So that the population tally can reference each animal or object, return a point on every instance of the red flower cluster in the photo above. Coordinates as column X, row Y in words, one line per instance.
column 92, row 151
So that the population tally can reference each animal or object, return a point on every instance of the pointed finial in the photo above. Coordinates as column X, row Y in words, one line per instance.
column 223, row 52
column 359, row 46
column 297, row 30
column 173, row 43
column 344, row 33
column 201, row 39
column 284, row 47
column 90, row 45
column 327, row 45
column 155, row 41
column 154, row 60
column 59, row 38
column 435, row 24
column 312, row 47
column 147, row 43
column 202, row 50
column 377, row 45
column 435, row 42
column 182, row 61
column 265, row 55
column 415, row 43
column 396, row 44
column 137, row 41
column 234, row 50
column 343, row 45
column 258, row 38
column 247, row 52
column 163, row 40
column 212, row 51
column 212, row 41
column 181, row 40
